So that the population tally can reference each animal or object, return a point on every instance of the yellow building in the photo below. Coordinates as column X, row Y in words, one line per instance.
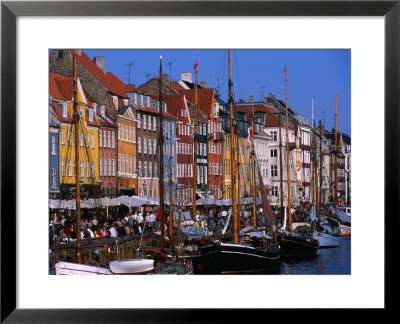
column 61, row 95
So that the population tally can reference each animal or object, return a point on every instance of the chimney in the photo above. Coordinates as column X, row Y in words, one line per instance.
column 165, row 77
column 251, row 98
column 270, row 95
column 78, row 51
column 99, row 60
column 241, row 100
column 265, row 99
column 203, row 84
column 186, row 76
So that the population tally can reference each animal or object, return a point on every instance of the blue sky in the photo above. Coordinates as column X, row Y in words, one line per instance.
column 312, row 74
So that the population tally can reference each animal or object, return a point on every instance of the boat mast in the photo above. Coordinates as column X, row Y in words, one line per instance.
column 161, row 144
column 287, row 155
column 253, row 165
column 315, row 167
column 233, row 177
column 195, row 143
column 77, row 173
column 170, row 185
column 320, row 170
column 335, row 198
column 281, row 163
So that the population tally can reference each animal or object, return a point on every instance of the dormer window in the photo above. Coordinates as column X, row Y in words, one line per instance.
column 125, row 102
column 140, row 99
column 64, row 109
column 115, row 101
column 147, row 101
column 91, row 115
column 164, row 107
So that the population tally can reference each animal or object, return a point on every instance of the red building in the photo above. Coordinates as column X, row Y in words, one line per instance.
column 177, row 106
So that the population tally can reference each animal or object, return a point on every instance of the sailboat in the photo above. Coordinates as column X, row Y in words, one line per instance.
column 294, row 244
column 326, row 231
column 259, row 254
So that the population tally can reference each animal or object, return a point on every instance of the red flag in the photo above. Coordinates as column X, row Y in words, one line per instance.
column 195, row 65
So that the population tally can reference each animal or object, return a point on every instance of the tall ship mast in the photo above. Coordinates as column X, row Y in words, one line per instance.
column 335, row 198
column 233, row 169
column 161, row 144
column 76, row 119
column 253, row 167
column 195, row 144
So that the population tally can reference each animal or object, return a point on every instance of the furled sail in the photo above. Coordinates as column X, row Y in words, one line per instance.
column 269, row 216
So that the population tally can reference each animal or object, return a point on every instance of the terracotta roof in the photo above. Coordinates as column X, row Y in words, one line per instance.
column 205, row 99
column 175, row 86
column 270, row 121
column 98, row 73
column 199, row 118
column 61, row 87
column 175, row 103
column 118, row 83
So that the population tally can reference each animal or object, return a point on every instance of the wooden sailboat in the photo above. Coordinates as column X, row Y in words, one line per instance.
column 294, row 244
column 259, row 254
column 325, row 231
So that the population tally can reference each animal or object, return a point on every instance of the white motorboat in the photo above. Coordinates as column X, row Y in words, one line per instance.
column 326, row 239
column 132, row 266
column 69, row 268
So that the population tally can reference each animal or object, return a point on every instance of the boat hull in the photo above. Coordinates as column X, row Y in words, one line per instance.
column 132, row 266
column 69, row 268
column 326, row 240
column 235, row 259
column 345, row 230
column 297, row 246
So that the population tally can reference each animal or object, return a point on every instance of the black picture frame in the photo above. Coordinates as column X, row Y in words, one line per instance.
column 10, row 10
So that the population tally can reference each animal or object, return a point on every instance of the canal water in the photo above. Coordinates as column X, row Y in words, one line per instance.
column 328, row 261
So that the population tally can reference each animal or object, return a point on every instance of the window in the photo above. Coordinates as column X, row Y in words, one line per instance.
column 53, row 145
column 109, row 138
column 139, row 144
column 122, row 163
column 62, row 133
column 122, row 132
column 101, row 166
column 115, row 101
column 64, row 110
column 105, row 168
column 144, row 146
column 109, row 167
column 150, row 170
column 127, row 164
column 130, row 134
column 104, row 139
column 69, row 168
column 145, row 168
column 274, row 153
column 54, row 177
column 204, row 129
column 133, row 134
column 130, row 164
column 119, row 162
column 113, row 139
column 154, row 124
column 126, row 133
column 63, row 167
column 274, row 170
column 113, row 167
column 274, row 191
column 134, row 164
column 138, row 120
column 144, row 122
column 149, row 122
column 69, row 137
column 274, row 135
column 149, row 140
column 87, row 169
column 140, row 168
column 154, row 146
column 100, row 139
column 155, row 168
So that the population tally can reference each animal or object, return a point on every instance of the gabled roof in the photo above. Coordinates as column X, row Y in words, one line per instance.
column 108, row 82
column 175, row 103
column 61, row 87
column 205, row 99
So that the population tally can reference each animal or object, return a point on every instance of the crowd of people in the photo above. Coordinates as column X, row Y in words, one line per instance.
column 63, row 228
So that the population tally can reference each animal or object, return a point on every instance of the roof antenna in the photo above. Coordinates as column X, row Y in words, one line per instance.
column 262, row 93
column 145, row 74
column 129, row 72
